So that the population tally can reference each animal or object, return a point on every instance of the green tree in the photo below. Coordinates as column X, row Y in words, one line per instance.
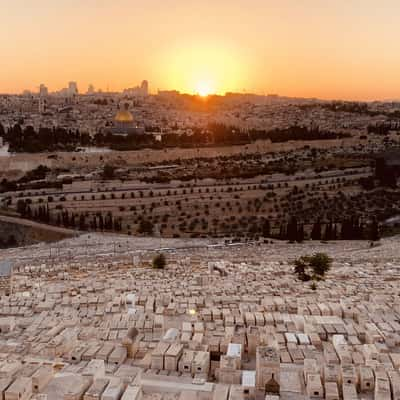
column 159, row 261
column 266, row 228
column 374, row 232
column 312, row 267
column 108, row 172
column 300, row 234
column 316, row 231
column 300, row 269
column 320, row 263
column 292, row 229
column 21, row 207
column 146, row 226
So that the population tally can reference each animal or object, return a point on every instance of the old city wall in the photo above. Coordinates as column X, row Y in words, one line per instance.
column 28, row 232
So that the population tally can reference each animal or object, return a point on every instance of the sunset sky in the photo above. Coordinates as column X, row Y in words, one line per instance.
column 313, row 48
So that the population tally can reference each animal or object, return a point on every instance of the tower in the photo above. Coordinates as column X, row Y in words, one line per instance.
column 42, row 105
column 43, row 91
column 144, row 88
column 267, row 370
column 72, row 88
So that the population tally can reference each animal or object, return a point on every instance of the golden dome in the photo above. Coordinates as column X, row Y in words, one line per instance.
column 123, row 116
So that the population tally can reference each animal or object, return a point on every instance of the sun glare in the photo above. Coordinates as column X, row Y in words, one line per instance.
column 204, row 89
column 203, row 67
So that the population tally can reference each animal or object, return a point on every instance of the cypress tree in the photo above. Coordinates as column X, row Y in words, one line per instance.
column 328, row 231
column 300, row 233
column 316, row 231
column 266, row 228
column 101, row 222
column 292, row 229
column 375, row 234
column 334, row 232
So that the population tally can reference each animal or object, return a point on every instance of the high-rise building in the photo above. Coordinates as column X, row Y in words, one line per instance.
column 145, row 88
column 138, row 91
column 43, row 91
column 72, row 88
column 42, row 104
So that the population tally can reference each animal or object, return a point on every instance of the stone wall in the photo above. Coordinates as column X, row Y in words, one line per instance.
column 15, row 232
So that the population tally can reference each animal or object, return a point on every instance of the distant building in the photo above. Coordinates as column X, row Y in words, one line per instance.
column 43, row 91
column 90, row 90
column 145, row 88
column 124, row 123
column 138, row 91
column 168, row 94
column 72, row 88
column 42, row 104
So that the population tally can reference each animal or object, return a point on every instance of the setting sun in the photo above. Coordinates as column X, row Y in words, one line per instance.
column 204, row 89
column 203, row 67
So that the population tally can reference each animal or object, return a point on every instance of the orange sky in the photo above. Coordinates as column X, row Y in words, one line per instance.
column 312, row 48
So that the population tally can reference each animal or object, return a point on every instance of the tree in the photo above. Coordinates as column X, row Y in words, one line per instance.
column 11, row 241
column 65, row 218
column 72, row 221
column 312, row 267
column 266, row 229
column 300, row 234
column 282, row 232
column 47, row 216
column 384, row 174
column 374, row 232
column 300, row 269
column 159, row 261
column 108, row 222
column 94, row 223
column 316, row 231
column 101, row 222
column 334, row 232
column 146, row 226
column 108, row 172
column 328, row 231
column 21, row 207
column 320, row 264
column 292, row 229
column 82, row 223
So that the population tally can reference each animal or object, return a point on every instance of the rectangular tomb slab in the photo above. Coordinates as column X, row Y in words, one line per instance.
column 20, row 389
column 96, row 389
column 113, row 390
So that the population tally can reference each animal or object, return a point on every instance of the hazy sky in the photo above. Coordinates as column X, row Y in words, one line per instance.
column 323, row 48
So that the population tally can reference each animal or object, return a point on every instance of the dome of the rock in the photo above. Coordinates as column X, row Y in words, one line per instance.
column 123, row 116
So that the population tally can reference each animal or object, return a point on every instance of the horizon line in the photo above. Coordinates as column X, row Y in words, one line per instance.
column 227, row 93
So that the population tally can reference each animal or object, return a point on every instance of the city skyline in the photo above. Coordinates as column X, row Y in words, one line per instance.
column 329, row 51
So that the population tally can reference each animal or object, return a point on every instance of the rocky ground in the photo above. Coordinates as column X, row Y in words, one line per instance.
column 91, row 312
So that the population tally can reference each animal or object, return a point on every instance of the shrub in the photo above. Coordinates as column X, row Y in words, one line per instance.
column 159, row 261
column 312, row 267
column 145, row 227
column 108, row 172
column 21, row 207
